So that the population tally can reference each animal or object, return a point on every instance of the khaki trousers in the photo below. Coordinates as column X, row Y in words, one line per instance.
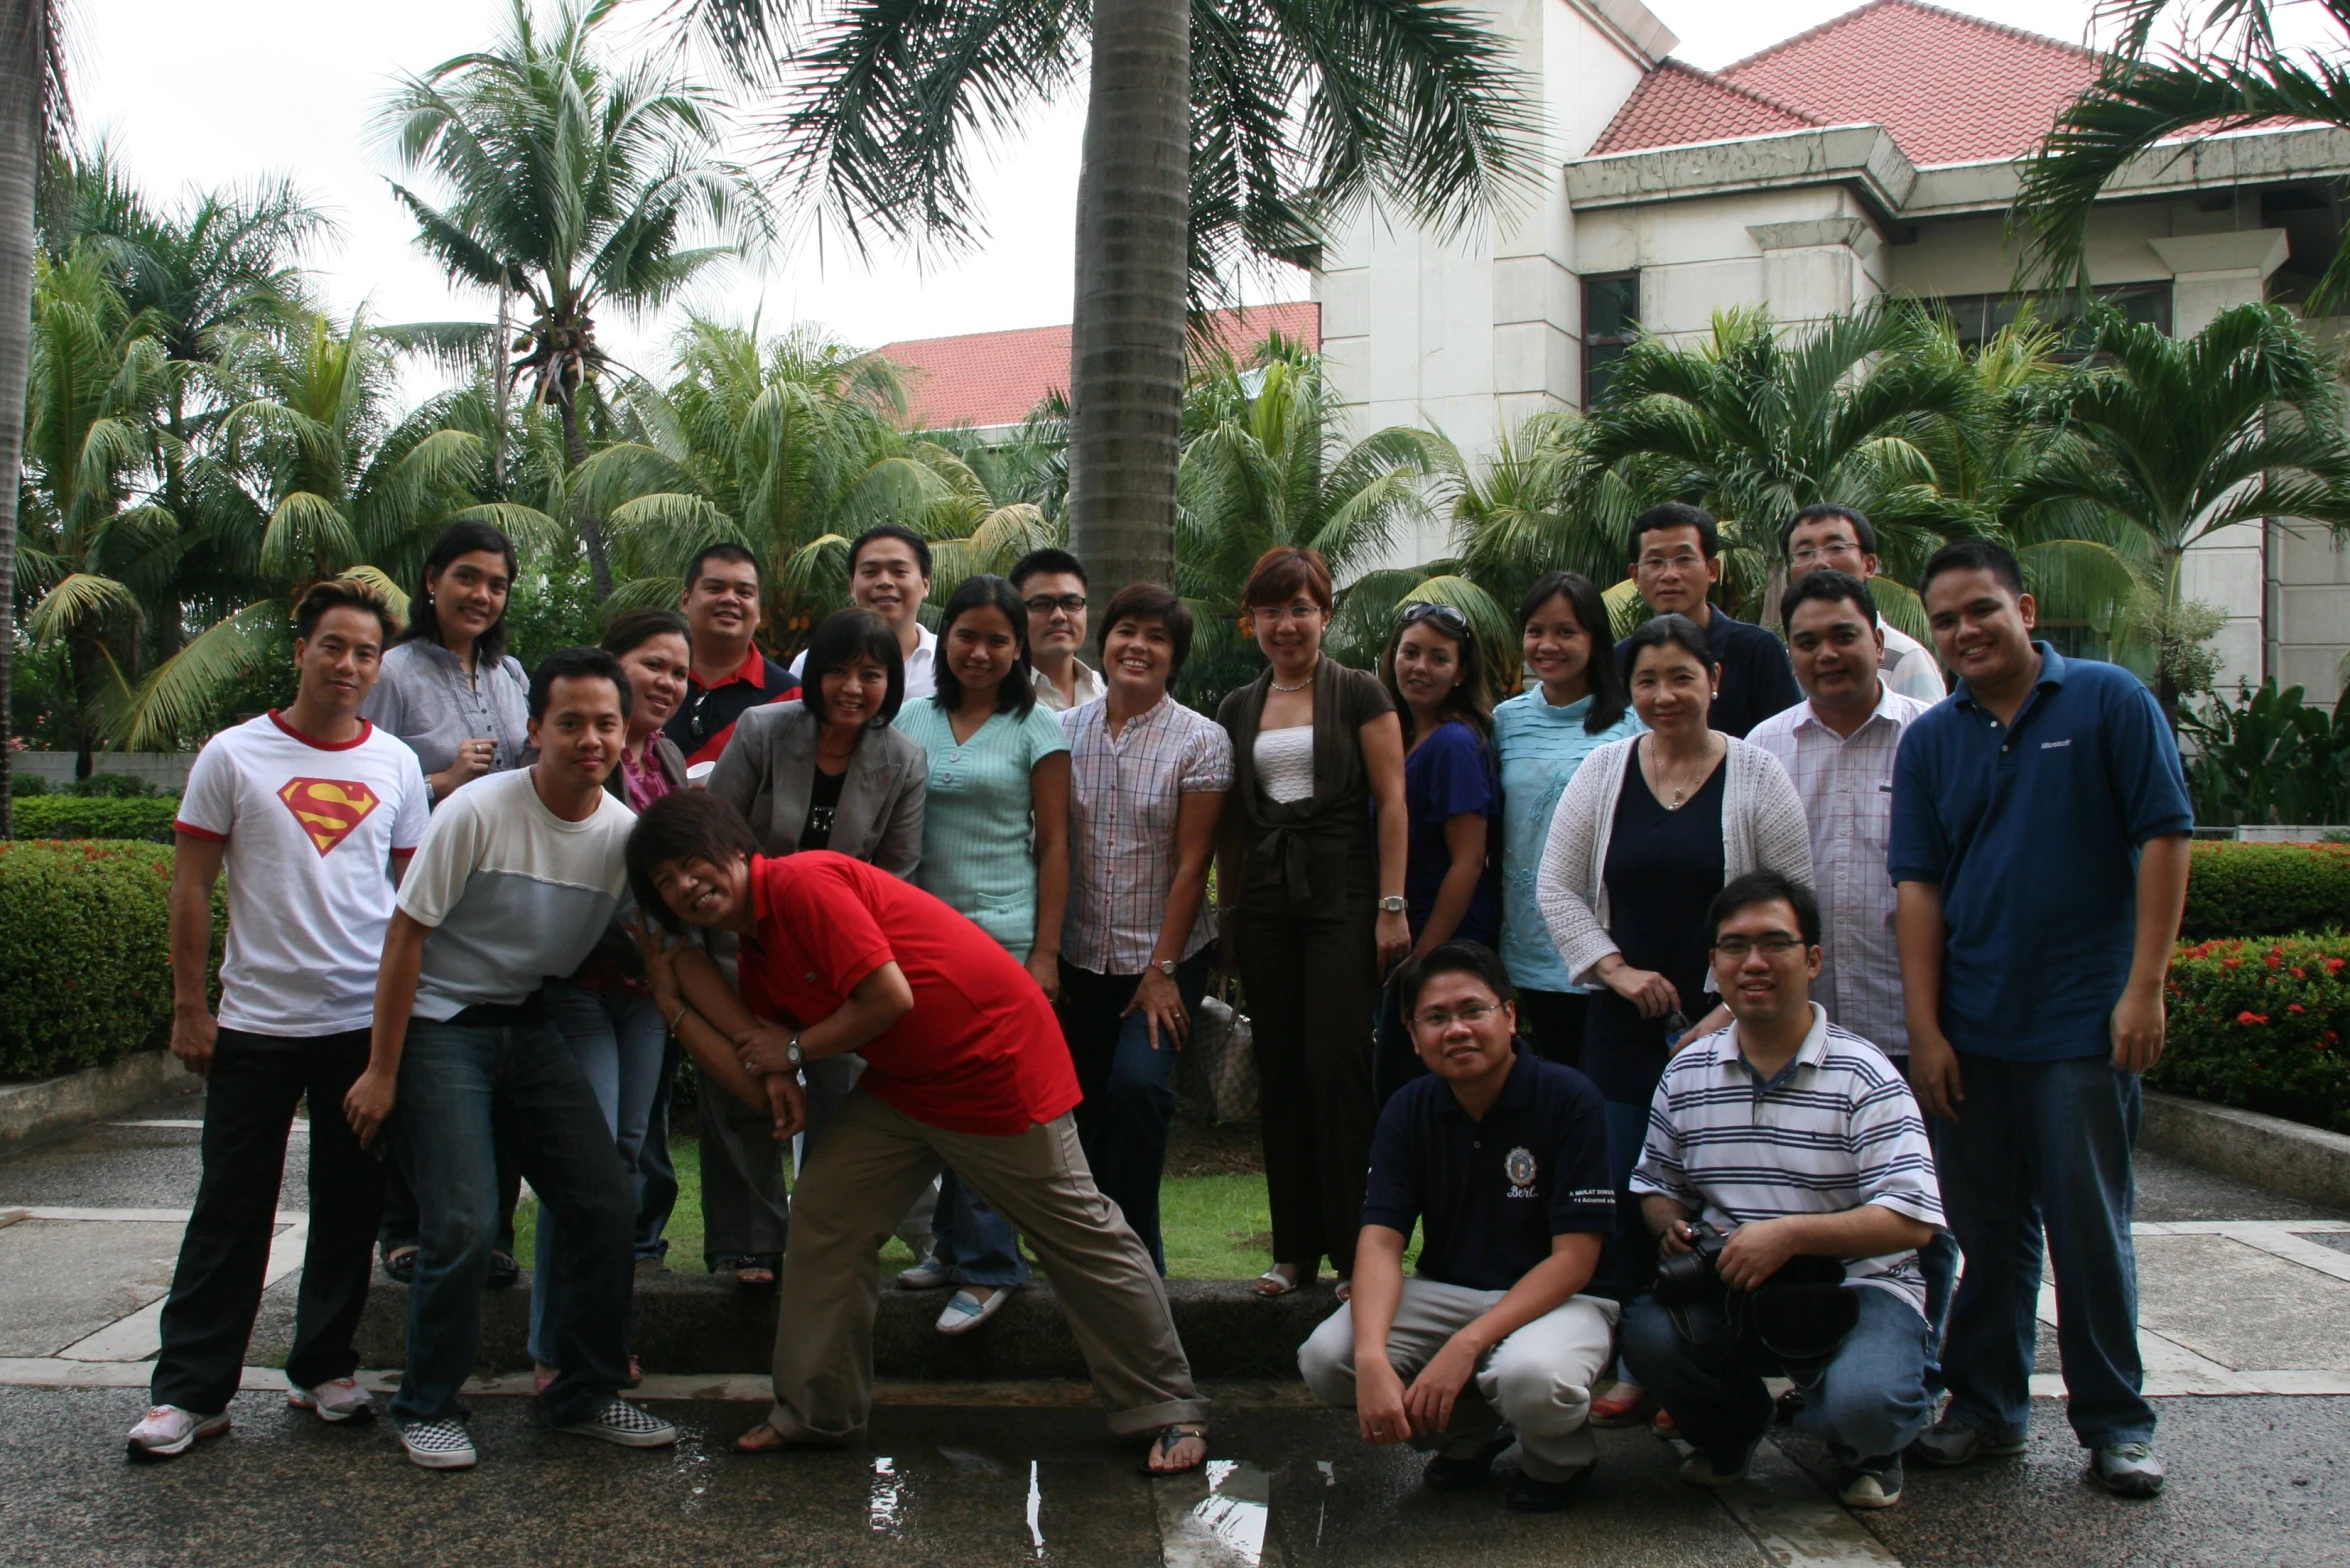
column 867, row 1170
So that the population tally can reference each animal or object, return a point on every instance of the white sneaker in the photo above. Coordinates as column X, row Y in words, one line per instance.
column 929, row 1274
column 965, row 1311
column 341, row 1400
column 168, row 1430
column 623, row 1423
column 439, row 1445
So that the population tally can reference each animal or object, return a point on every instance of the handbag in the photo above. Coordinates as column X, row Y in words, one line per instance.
column 1219, row 1063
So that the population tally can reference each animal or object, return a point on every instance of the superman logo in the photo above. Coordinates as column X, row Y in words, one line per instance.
column 328, row 809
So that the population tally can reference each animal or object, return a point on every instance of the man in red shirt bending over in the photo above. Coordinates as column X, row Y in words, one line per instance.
column 965, row 1066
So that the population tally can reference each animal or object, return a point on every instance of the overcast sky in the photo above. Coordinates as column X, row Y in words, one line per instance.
column 221, row 92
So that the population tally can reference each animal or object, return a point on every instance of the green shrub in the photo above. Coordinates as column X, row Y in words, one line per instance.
column 2258, row 890
column 75, row 816
column 2261, row 1024
column 85, row 971
column 22, row 784
column 111, row 786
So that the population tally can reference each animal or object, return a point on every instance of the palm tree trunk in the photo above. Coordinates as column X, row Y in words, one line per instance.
column 504, row 383
column 1126, row 355
column 24, row 61
column 591, row 528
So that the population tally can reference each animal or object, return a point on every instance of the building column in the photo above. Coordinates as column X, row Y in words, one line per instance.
column 1815, row 268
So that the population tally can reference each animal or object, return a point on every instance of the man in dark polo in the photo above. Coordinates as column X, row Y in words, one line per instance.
column 1501, row 1158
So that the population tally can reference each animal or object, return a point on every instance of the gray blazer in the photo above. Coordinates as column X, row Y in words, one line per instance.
column 768, row 771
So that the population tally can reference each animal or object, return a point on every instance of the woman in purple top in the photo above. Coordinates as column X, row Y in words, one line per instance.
column 1452, row 794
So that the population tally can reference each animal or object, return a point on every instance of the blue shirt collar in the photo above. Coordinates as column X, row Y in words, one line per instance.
column 2052, row 670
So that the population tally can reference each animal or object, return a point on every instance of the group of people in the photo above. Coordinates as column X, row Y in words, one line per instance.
column 1698, row 1007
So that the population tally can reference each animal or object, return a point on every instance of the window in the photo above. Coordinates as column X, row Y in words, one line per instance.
column 1611, row 317
column 1979, row 317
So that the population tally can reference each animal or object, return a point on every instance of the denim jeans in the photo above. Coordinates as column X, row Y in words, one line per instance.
column 1129, row 1087
column 975, row 1244
column 465, row 1090
column 2044, row 1145
column 1631, row 1255
column 656, row 1172
column 621, row 1045
column 1867, row 1401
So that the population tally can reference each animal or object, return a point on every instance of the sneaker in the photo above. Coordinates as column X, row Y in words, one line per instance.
column 929, row 1274
column 965, row 1311
column 439, row 1445
column 2129, row 1469
column 623, row 1423
column 1528, row 1495
column 1704, row 1469
column 1444, row 1474
column 1953, row 1442
column 341, row 1400
column 1873, row 1483
column 167, row 1431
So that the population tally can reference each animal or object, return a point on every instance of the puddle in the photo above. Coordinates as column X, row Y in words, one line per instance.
column 1218, row 1519
column 882, row 1508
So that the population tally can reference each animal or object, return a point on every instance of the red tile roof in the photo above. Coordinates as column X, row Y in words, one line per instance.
column 1950, row 88
column 995, row 378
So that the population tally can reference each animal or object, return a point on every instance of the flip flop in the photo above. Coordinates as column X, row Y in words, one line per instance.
column 1164, row 1444
column 1282, row 1284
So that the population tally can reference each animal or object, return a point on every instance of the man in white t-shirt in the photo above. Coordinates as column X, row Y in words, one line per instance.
column 311, row 810
column 1837, row 538
column 889, row 574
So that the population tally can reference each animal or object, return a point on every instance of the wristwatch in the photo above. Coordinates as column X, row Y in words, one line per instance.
column 1165, row 966
column 1392, row 904
column 791, row 1052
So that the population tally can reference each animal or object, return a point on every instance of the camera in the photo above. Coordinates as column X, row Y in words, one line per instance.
column 1691, row 1276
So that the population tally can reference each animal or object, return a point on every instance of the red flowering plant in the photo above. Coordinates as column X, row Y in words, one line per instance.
column 2262, row 1023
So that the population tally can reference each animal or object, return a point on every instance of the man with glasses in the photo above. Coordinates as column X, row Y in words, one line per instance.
column 1501, row 1158
column 1798, row 1141
column 889, row 574
column 1676, row 560
column 1052, row 584
column 724, row 609
column 1839, row 539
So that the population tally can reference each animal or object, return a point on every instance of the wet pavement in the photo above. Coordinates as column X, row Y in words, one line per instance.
column 2246, row 1312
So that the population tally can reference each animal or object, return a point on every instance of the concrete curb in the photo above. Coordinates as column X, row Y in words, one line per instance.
column 33, row 1111
column 2302, row 1162
column 694, row 1323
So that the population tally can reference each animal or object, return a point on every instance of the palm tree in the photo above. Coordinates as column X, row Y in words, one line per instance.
column 2175, row 439
column 573, row 183
column 1215, row 129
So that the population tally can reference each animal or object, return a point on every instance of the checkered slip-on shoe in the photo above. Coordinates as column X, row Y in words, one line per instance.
column 623, row 1423
column 439, row 1445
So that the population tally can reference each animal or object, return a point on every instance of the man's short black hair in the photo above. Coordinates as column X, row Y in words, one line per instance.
column 1765, row 887
column 1831, row 586
column 723, row 550
column 1452, row 958
column 1151, row 602
column 1038, row 562
column 899, row 532
column 840, row 638
column 1975, row 555
column 343, row 593
column 1864, row 532
column 1679, row 514
column 577, row 664
column 685, row 824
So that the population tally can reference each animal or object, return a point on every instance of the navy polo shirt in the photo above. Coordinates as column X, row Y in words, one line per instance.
column 1757, row 679
column 2032, row 833
column 1491, row 1195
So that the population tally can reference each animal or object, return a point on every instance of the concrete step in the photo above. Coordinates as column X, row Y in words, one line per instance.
column 696, row 1323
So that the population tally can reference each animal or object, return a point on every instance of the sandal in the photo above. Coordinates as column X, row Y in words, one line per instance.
column 1622, row 1406
column 1344, row 1290
column 762, row 1439
column 750, row 1270
column 400, row 1263
column 1166, row 1443
column 1273, row 1283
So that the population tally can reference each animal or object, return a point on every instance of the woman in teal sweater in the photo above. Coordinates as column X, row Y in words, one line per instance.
column 995, row 847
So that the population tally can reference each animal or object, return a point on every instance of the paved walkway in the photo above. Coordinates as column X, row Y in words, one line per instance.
column 2247, row 1333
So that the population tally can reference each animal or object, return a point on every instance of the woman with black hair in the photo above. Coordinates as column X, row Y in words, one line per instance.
column 995, row 848
column 1575, row 704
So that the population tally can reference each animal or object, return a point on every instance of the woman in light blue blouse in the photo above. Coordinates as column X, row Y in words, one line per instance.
column 995, row 846
column 1577, row 704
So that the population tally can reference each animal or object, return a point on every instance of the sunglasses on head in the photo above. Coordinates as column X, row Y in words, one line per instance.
column 1444, row 615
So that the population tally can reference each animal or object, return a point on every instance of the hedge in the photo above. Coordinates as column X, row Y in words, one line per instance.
column 96, row 817
column 2245, row 890
column 2261, row 1023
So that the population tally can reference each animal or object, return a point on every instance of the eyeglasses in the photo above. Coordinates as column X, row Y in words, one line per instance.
column 1472, row 1015
column 1686, row 561
column 1823, row 551
column 1443, row 615
column 1772, row 946
column 1046, row 603
column 1302, row 611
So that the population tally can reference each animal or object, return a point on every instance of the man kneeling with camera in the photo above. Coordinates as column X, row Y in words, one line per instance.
column 1789, row 1184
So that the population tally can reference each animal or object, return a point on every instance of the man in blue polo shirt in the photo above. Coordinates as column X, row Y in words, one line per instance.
column 1501, row 1158
column 1676, row 560
column 2040, row 827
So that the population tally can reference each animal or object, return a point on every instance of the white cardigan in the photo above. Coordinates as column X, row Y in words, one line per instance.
column 1762, row 830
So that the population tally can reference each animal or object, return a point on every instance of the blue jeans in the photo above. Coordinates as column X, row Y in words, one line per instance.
column 1624, row 1270
column 466, row 1088
column 975, row 1244
column 1868, row 1401
column 2044, row 1145
column 656, row 1172
column 621, row 1044
column 1129, row 1087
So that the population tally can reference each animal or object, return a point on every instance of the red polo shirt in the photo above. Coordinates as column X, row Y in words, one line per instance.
column 704, row 722
column 981, row 1052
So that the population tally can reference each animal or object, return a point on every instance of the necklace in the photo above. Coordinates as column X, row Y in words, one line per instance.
column 1681, row 791
column 1301, row 685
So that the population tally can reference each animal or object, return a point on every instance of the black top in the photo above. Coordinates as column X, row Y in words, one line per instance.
column 1491, row 1194
column 1757, row 680
column 823, row 800
column 1663, row 868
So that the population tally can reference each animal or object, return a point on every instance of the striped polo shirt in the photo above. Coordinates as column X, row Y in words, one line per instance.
column 1835, row 1129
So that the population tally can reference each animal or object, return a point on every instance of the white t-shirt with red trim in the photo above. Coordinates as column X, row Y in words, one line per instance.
column 311, row 830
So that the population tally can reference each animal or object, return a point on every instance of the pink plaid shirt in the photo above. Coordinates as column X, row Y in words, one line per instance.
column 1846, row 786
column 1125, row 794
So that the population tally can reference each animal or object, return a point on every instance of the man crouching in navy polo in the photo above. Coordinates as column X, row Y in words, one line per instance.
column 1501, row 1158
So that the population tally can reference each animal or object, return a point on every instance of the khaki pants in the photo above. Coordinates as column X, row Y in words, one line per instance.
column 1538, row 1379
column 868, row 1169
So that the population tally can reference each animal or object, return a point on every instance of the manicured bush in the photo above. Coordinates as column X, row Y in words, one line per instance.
column 2262, row 1024
column 97, row 816
column 85, row 971
column 2259, row 890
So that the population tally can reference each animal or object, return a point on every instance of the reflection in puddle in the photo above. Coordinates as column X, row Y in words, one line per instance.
column 1234, row 1513
column 1329, row 1480
column 881, row 1512
column 1035, row 1509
